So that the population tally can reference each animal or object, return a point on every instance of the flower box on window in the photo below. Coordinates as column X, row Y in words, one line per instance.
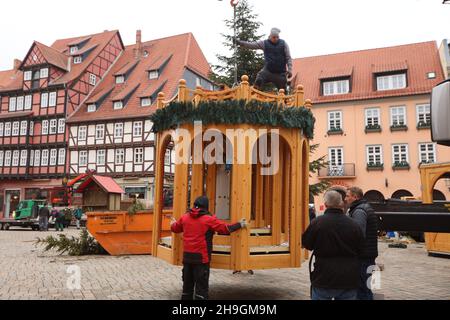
column 401, row 166
column 375, row 166
column 335, row 131
column 423, row 125
column 399, row 127
column 373, row 128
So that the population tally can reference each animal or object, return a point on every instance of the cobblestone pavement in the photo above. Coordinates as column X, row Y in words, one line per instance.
column 26, row 272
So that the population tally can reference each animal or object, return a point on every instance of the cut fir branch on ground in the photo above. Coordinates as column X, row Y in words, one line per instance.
column 84, row 245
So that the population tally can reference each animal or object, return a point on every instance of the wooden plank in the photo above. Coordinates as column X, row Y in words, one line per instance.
column 211, row 186
column 277, row 199
column 276, row 261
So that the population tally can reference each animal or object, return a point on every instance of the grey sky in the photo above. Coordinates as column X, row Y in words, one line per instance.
column 311, row 27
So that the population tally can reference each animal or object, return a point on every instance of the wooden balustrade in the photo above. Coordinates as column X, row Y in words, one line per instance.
column 242, row 92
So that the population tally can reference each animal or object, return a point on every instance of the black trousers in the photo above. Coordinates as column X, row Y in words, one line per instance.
column 195, row 281
column 278, row 79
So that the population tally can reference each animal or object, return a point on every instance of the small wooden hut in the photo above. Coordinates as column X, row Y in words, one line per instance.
column 100, row 193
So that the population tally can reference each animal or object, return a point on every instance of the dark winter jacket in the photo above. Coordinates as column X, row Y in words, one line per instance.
column 363, row 214
column 337, row 242
column 198, row 227
column 44, row 212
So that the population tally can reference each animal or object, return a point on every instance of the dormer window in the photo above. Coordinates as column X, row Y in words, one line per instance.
column 92, row 107
column 118, row 105
column 431, row 75
column 336, row 87
column 73, row 49
column 391, row 82
column 77, row 60
column 120, row 79
column 44, row 73
column 145, row 102
column 153, row 74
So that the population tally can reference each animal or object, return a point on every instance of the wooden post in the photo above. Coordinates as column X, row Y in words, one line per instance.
column 299, row 96
column 277, row 199
column 159, row 186
column 308, row 104
column 281, row 99
column 211, row 179
column 198, row 95
column 259, row 190
column 183, row 94
column 160, row 100
column 244, row 91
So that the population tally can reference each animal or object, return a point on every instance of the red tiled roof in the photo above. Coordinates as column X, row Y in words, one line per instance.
column 336, row 73
column 53, row 57
column 186, row 54
column 126, row 68
column 106, row 183
column 84, row 50
column 99, row 95
column 419, row 58
column 10, row 79
column 16, row 114
column 159, row 62
column 77, row 41
column 152, row 87
column 124, row 92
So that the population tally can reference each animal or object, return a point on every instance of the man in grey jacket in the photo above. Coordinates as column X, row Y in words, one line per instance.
column 363, row 214
column 278, row 60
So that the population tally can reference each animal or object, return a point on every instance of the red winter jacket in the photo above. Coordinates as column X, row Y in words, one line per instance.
column 198, row 228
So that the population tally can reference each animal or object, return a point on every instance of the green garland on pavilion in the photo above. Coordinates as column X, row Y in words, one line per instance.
column 233, row 113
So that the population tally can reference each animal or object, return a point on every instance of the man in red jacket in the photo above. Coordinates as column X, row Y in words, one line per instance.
column 198, row 227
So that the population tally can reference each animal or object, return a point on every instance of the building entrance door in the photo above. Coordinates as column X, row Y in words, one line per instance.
column 12, row 199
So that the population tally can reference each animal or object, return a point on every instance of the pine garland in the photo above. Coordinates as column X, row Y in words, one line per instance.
column 233, row 113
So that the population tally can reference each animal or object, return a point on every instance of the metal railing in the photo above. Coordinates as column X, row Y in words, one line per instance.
column 338, row 171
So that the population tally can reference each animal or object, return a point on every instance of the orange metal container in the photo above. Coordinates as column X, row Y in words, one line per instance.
column 122, row 234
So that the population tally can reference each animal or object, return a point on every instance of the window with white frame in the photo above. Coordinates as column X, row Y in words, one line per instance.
column 23, row 158
column 23, row 128
column 83, row 160
column 118, row 105
column 373, row 117
column 423, row 114
column 1, row 158
column 398, row 116
column 334, row 120
column 336, row 87
column 168, row 160
column 100, row 131
column 15, row 158
column 101, row 157
column 375, row 155
column 31, row 158
column 44, row 73
column 145, row 102
column 92, row 107
column 27, row 75
column 44, row 127
column 8, row 158
column 28, row 102
column 37, row 158
column 53, row 126
column 1, row 129
column 31, row 128
column 77, row 60
column 400, row 154
column 20, row 101
column 118, row 130
column 120, row 79
column 153, row 74
column 7, row 129
column 73, row 49
column 137, row 129
column 427, row 153
column 61, row 125
column 16, row 128
column 52, row 99
column 53, row 156
column 82, row 133
column 12, row 103
column 120, row 156
column 336, row 161
column 391, row 82
column 44, row 158
column 139, row 155
column 61, row 157
column 44, row 100
column 92, row 79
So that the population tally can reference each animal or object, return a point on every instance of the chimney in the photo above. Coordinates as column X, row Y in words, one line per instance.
column 17, row 64
column 138, row 49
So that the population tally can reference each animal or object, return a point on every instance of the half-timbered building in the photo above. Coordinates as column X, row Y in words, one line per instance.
column 36, row 97
column 111, row 131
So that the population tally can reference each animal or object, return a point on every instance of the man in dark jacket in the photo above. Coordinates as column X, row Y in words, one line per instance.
column 44, row 215
column 337, row 242
column 198, row 227
column 363, row 214
column 277, row 56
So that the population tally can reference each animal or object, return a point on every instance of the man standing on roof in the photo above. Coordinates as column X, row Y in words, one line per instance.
column 198, row 227
column 278, row 60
